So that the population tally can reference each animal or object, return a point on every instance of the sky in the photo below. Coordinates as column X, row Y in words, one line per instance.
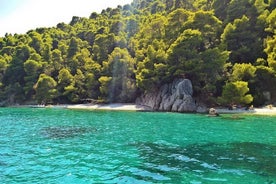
column 20, row 16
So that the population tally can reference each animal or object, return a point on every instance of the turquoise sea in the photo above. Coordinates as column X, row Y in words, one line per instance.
column 74, row 146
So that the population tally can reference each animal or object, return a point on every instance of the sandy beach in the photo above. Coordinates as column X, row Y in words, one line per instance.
column 260, row 111
column 115, row 106
column 135, row 107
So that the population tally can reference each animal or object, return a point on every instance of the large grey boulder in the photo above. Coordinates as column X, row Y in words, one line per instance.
column 184, row 87
column 175, row 96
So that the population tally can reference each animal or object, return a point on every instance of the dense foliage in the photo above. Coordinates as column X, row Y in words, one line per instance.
column 226, row 47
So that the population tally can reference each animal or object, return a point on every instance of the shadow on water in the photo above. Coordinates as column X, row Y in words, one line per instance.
column 233, row 117
column 62, row 132
column 230, row 158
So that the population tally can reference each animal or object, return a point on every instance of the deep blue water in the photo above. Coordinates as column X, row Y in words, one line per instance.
column 74, row 146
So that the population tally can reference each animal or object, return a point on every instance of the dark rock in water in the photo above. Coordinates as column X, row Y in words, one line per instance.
column 213, row 112
column 244, row 157
column 176, row 97
column 64, row 132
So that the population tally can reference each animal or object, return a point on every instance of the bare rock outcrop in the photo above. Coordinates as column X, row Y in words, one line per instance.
column 175, row 96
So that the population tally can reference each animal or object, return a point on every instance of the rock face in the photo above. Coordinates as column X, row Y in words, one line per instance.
column 176, row 97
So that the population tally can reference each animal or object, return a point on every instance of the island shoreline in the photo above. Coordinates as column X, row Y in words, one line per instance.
column 143, row 108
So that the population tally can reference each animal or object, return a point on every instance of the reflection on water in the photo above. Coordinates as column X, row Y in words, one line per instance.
column 60, row 132
column 201, row 159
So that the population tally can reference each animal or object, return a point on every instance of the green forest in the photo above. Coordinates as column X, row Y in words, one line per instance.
column 227, row 48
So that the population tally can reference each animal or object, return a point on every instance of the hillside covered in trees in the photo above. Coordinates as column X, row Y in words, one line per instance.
column 227, row 48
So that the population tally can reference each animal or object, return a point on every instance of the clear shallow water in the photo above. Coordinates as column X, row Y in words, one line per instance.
column 70, row 146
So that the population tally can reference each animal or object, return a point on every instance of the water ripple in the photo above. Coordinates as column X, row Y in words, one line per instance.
column 61, row 146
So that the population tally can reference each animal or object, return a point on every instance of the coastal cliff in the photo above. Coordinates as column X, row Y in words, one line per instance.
column 175, row 97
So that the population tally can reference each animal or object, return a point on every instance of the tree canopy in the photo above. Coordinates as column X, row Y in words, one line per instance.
column 115, row 55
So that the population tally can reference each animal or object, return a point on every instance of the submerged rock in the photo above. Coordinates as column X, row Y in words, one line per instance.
column 175, row 96
column 236, row 157
column 64, row 132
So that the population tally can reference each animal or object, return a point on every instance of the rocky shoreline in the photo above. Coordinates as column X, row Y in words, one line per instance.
column 176, row 96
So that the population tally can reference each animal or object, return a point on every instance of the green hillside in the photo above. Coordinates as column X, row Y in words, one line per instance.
column 227, row 48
